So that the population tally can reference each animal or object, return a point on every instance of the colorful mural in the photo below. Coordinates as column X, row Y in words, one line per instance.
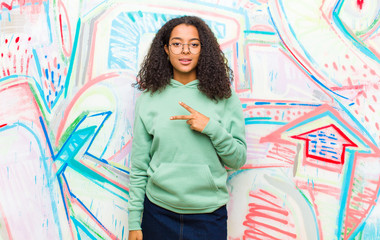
column 308, row 76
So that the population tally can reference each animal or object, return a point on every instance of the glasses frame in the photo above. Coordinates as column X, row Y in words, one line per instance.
column 188, row 47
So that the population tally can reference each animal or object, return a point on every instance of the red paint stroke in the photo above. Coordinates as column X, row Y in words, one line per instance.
column 350, row 87
column 253, row 166
column 267, row 193
column 319, row 188
column 66, row 49
column 281, row 153
column 343, row 140
column 20, row 3
column 14, row 64
column 3, row 125
column 373, row 50
column 2, row 213
column 263, row 28
column 264, row 199
column 9, row 7
column 122, row 152
column 335, row 66
column 61, row 29
column 52, row 87
column 23, row 102
column 354, row 214
column 360, row 3
column 266, row 206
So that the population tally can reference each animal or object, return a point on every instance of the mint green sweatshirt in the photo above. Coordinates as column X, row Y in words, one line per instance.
column 177, row 168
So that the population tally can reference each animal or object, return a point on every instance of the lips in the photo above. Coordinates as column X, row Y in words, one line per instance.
column 185, row 61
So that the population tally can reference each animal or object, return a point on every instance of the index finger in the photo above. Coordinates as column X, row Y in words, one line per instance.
column 181, row 117
column 187, row 107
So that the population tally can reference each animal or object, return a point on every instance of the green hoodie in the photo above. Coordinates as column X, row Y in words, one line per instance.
column 177, row 168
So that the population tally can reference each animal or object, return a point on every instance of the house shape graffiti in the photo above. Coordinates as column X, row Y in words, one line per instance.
column 325, row 144
column 316, row 133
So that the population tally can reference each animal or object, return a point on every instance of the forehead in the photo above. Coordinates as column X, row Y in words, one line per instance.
column 184, row 32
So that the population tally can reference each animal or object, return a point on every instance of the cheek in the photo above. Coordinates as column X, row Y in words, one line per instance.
column 196, row 59
column 171, row 60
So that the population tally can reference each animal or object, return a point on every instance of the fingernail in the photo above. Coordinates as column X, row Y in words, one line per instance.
column 171, row 118
column 180, row 102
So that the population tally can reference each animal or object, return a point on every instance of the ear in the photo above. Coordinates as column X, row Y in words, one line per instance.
column 166, row 49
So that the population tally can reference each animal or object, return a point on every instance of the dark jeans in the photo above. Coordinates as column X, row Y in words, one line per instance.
column 161, row 224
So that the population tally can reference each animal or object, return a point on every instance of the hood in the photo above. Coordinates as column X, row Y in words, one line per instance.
column 192, row 84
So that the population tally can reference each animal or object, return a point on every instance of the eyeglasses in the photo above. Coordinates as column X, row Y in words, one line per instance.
column 177, row 48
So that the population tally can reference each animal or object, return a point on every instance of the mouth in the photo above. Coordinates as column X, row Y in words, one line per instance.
column 185, row 61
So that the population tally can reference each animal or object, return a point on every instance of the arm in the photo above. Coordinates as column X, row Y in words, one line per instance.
column 229, row 141
column 140, row 158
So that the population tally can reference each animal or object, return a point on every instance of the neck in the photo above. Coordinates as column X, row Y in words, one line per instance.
column 184, row 78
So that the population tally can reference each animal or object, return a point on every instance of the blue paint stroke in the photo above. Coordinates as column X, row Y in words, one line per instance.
column 72, row 58
column 81, row 227
column 302, row 67
column 47, row 9
column 355, row 41
column 47, row 170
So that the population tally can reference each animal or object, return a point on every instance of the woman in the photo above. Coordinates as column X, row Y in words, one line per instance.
column 188, row 127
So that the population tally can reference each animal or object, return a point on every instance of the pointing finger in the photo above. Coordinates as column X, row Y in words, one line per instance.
column 187, row 107
column 181, row 117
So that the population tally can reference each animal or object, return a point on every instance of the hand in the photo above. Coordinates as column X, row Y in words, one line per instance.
column 196, row 120
column 135, row 235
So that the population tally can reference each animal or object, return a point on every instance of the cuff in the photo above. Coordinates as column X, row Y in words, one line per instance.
column 211, row 128
column 134, row 220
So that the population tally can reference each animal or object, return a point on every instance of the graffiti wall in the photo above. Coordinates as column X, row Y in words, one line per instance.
column 308, row 76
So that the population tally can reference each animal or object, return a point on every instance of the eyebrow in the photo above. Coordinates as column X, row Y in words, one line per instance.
column 182, row 39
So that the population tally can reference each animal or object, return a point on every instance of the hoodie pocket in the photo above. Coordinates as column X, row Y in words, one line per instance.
column 186, row 186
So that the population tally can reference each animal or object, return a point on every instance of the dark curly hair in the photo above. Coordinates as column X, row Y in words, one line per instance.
column 213, row 72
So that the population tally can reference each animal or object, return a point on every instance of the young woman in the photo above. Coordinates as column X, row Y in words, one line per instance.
column 188, row 127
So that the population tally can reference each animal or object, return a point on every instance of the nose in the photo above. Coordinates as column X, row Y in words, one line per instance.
column 186, row 50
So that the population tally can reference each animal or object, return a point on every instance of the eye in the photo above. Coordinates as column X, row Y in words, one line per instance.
column 194, row 45
column 176, row 44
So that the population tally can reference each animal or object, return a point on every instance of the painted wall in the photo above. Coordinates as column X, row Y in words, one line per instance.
column 307, row 73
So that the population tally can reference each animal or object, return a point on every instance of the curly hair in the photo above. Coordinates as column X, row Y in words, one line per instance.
column 213, row 72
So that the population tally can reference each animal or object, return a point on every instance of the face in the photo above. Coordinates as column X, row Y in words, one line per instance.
column 183, row 51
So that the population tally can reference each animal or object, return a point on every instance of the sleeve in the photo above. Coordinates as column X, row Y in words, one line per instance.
column 140, row 158
column 229, row 141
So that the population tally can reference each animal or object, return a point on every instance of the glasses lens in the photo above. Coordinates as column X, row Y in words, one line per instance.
column 195, row 48
column 177, row 48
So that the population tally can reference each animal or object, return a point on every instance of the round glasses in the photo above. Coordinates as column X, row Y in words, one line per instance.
column 177, row 48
